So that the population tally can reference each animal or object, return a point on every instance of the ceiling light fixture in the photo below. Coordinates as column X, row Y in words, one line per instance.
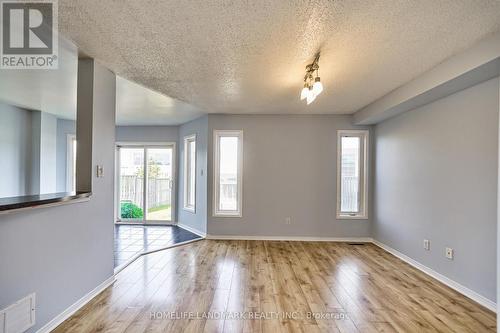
column 312, row 83
column 304, row 92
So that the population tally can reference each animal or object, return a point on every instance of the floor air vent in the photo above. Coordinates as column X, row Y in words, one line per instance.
column 18, row 317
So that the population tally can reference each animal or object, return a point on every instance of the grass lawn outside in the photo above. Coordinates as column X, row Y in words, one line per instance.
column 160, row 213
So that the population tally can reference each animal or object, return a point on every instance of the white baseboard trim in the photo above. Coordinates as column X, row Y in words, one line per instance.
column 60, row 318
column 441, row 278
column 293, row 238
column 193, row 230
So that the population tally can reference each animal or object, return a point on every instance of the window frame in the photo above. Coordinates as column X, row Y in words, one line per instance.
column 173, row 184
column 216, row 212
column 364, row 136
column 70, row 163
column 187, row 140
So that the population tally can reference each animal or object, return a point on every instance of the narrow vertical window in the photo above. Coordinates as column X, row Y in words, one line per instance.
column 228, row 153
column 190, row 173
column 352, row 174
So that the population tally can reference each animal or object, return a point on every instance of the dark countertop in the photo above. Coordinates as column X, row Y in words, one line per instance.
column 31, row 201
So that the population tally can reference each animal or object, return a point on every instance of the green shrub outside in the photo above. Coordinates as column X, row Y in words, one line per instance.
column 129, row 210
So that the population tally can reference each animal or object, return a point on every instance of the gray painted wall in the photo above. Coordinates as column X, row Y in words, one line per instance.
column 63, row 252
column 436, row 178
column 33, row 150
column 15, row 151
column 498, row 214
column 289, row 169
column 147, row 133
column 198, row 219
column 36, row 120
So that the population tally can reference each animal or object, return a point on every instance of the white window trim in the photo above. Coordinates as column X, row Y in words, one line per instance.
column 187, row 140
column 239, row 211
column 69, row 162
column 365, row 140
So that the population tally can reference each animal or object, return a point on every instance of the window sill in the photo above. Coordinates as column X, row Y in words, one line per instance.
column 227, row 215
column 352, row 217
column 188, row 209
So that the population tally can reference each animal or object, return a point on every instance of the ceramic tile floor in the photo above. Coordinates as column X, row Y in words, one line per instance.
column 131, row 240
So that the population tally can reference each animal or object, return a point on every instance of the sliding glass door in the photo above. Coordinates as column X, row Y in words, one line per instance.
column 159, row 184
column 146, row 178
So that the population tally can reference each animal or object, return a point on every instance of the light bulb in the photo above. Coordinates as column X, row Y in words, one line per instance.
column 304, row 92
column 311, row 96
column 317, row 86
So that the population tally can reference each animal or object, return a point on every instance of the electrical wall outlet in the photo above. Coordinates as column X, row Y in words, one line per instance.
column 427, row 244
column 288, row 220
column 449, row 253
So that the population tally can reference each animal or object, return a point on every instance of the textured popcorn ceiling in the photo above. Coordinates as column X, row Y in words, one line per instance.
column 249, row 56
column 137, row 105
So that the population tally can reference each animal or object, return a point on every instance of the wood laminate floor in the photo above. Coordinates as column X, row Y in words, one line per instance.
column 270, row 286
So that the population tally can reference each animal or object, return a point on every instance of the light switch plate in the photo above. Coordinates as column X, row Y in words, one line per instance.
column 99, row 171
